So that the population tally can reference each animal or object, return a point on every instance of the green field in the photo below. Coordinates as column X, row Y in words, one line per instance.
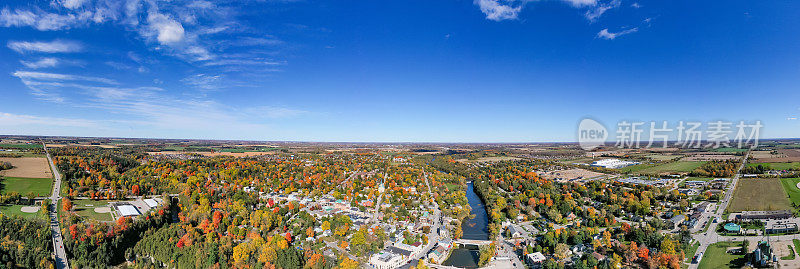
column 22, row 185
column 85, row 208
column 672, row 167
column 716, row 256
column 663, row 157
column 759, row 194
column 778, row 166
column 15, row 210
column 729, row 150
column 21, row 146
column 790, row 186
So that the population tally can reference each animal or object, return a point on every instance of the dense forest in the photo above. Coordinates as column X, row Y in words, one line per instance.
column 25, row 243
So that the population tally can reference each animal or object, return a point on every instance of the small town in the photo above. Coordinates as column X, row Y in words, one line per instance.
column 477, row 134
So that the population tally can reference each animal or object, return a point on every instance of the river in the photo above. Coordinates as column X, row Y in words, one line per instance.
column 476, row 228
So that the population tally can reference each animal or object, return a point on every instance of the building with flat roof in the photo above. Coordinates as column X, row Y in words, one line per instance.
column 385, row 260
column 613, row 163
column 535, row 258
column 751, row 215
column 127, row 210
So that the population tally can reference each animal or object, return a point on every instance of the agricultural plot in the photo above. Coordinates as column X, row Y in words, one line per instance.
column 759, row 194
column 778, row 166
column 673, row 167
column 27, row 167
column 24, row 185
column 663, row 157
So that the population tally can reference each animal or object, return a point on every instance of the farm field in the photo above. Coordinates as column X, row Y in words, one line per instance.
column 717, row 257
column 673, row 167
column 27, row 167
column 20, row 146
column 663, row 157
column 22, row 185
column 759, row 194
column 778, row 166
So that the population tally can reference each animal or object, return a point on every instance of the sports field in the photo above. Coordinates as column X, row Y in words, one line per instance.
column 755, row 194
column 23, row 185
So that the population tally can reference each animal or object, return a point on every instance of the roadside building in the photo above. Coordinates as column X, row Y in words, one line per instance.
column 760, row 215
column 776, row 228
column 385, row 260
column 535, row 259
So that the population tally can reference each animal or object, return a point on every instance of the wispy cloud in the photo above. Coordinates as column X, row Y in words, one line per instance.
column 40, row 63
column 42, row 21
column 59, row 77
column 10, row 120
column 498, row 10
column 605, row 34
column 593, row 14
column 203, row 81
column 55, row 46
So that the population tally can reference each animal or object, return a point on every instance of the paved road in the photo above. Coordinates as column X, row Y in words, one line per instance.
column 711, row 236
column 58, row 240
column 433, row 235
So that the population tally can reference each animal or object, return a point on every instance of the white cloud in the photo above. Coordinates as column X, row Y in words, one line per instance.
column 73, row 4
column 55, row 46
column 605, row 34
column 28, row 75
column 203, row 81
column 41, row 63
column 42, row 21
column 8, row 120
column 593, row 14
column 636, row 5
column 497, row 11
column 581, row 3
column 167, row 30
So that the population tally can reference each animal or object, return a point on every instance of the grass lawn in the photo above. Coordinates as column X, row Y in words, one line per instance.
column 85, row 208
column 790, row 186
column 716, row 256
column 673, row 167
column 15, row 210
column 778, row 166
column 22, row 185
column 692, row 250
column 759, row 194
column 796, row 244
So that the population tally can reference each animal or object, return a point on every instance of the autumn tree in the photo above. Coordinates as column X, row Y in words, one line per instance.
column 67, row 204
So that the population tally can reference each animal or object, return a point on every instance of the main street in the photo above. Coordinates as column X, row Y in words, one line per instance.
column 711, row 236
column 58, row 240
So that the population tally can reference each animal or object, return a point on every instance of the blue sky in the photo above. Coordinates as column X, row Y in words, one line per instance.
column 416, row 71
